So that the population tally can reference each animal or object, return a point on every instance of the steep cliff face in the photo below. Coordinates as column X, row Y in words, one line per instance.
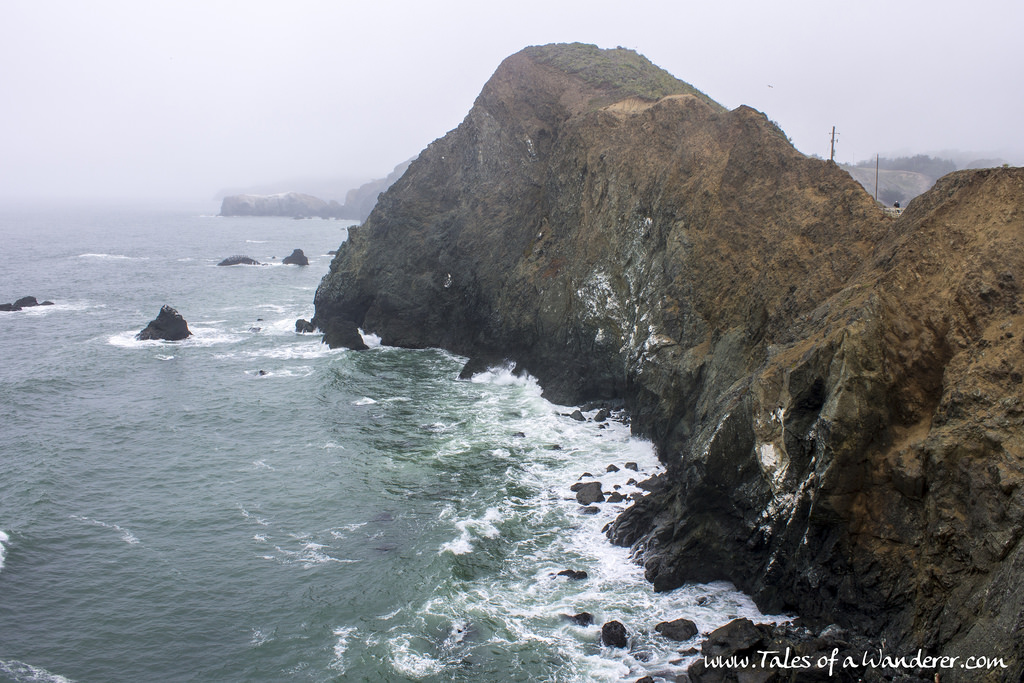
column 837, row 395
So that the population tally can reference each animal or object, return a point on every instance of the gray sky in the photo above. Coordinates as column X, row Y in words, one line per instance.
column 162, row 99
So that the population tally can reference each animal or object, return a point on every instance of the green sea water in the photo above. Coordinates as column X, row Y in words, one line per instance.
column 249, row 505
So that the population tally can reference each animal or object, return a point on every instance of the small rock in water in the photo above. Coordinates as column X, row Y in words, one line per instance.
column 611, row 468
column 239, row 260
column 519, row 435
column 577, row 415
column 591, row 510
column 296, row 258
column 602, row 415
column 574, row 574
column 168, row 325
column 303, row 326
column 589, row 492
column 613, row 634
column 615, row 497
column 678, row 629
column 631, row 466
column 581, row 619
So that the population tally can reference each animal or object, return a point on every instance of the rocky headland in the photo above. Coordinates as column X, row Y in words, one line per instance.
column 358, row 201
column 837, row 394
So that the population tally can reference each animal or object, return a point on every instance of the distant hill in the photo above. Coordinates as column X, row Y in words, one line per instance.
column 358, row 202
column 901, row 179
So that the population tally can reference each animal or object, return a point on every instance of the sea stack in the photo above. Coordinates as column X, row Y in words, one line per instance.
column 836, row 393
column 168, row 325
column 296, row 258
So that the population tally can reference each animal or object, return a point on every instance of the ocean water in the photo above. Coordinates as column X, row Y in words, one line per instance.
column 249, row 505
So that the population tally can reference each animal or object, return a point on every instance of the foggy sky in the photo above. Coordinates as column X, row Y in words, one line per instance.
column 180, row 99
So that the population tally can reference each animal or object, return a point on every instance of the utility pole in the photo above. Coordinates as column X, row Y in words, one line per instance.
column 876, row 177
column 832, row 155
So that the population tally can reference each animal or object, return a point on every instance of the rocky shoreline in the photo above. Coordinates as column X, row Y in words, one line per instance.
column 836, row 394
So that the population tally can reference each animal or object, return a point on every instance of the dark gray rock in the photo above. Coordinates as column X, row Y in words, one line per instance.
column 677, row 629
column 581, row 619
column 613, row 634
column 239, row 260
column 577, row 415
column 168, row 325
column 589, row 492
column 573, row 574
column 296, row 258
column 303, row 326
column 344, row 333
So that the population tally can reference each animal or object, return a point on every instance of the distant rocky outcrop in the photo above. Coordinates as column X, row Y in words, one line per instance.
column 358, row 202
column 24, row 302
column 292, row 204
column 836, row 394
column 296, row 258
column 239, row 260
column 168, row 325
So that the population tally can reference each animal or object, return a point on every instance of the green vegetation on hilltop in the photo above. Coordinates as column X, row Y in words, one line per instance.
column 621, row 71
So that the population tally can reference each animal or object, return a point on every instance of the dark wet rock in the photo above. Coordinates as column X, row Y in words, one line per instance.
column 24, row 302
column 591, row 510
column 613, row 634
column 645, row 679
column 239, row 260
column 168, row 325
column 615, row 497
column 303, row 326
column 261, row 373
column 602, row 415
column 589, row 492
column 255, row 329
column 574, row 574
column 577, row 415
column 553, row 447
column 296, row 258
column 611, row 468
column 581, row 619
column 519, row 435
column 344, row 334
column 631, row 466
column 677, row 629
column 739, row 635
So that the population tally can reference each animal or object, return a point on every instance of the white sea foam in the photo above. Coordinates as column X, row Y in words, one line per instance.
column 342, row 633
column 20, row 672
column 126, row 535
column 364, row 401
column 4, row 539
column 370, row 339
column 113, row 257
column 201, row 337
column 255, row 518
column 473, row 529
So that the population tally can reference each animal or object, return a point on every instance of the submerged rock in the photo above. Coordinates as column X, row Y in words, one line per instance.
column 296, row 258
column 168, row 325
